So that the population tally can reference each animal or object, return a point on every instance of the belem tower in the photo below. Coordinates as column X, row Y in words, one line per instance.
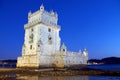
column 42, row 43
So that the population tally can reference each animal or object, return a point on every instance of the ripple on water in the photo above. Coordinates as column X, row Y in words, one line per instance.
column 30, row 77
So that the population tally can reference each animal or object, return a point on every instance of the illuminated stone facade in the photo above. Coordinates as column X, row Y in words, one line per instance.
column 42, row 47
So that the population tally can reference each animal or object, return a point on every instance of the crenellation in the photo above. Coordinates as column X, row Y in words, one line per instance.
column 34, row 14
column 28, row 25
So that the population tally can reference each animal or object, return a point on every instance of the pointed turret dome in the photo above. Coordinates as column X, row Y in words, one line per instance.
column 85, row 52
column 29, row 14
column 42, row 8
column 63, row 48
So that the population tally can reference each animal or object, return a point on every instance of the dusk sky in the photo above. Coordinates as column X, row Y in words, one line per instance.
column 90, row 24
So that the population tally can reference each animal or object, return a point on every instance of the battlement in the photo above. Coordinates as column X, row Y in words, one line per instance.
column 35, row 22
column 77, row 54
column 51, row 13
column 43, row 16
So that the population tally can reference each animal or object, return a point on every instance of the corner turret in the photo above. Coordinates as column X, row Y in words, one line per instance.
column 42, row 8
column 85, row 53
column 29, row 14
column 63, row 48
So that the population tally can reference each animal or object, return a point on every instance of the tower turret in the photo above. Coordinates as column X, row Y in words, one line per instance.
column 85, row 53
column 63, row 48
column 42, row 8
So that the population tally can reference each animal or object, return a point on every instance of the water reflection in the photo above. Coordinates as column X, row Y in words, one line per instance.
column 104, row 77
column 53, row 78
column 68, row 78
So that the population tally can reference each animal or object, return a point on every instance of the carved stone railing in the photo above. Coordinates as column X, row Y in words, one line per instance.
column 39, row 21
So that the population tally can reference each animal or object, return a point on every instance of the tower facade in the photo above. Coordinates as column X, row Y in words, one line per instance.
column 41, row 39
column 41, row 46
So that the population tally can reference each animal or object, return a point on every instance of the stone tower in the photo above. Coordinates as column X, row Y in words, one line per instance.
column 41, row 39
column 41, row 46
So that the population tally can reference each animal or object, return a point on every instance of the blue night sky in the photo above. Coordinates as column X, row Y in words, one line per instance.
column 91, row 24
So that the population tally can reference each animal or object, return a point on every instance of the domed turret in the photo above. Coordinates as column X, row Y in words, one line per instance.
column 29, row 14
column 42, row 8
column 63, row 48
column 85, row 53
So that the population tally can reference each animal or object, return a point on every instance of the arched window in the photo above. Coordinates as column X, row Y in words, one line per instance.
column 49, row 30
column 31, row 38
column 49, row 39
column 63, row 50
column 30, row 46
column 32, row 30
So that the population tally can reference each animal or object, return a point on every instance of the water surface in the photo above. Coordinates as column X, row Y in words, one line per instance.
column 69, row 78
column 106, row 66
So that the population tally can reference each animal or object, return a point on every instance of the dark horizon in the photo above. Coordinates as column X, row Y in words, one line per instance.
column 88, row 59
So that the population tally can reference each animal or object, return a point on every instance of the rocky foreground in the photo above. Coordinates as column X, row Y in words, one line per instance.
column 57, row 72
